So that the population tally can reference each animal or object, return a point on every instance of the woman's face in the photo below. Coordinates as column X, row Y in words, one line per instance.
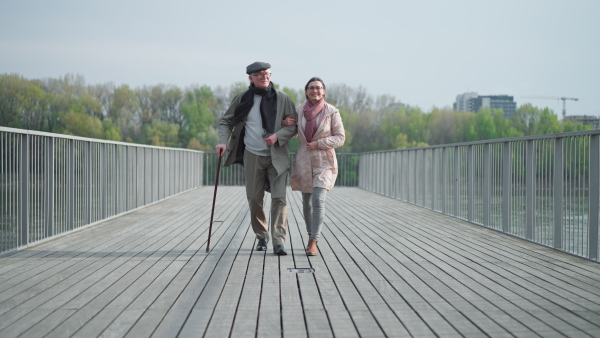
column 315, row 91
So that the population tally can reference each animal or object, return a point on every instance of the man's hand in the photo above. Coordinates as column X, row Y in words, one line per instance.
column 221, row 149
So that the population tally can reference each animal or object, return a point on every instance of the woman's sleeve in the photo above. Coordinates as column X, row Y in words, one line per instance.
column 338, row 135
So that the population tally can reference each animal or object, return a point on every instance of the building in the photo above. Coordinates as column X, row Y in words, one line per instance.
column 585, row 119
column 471, row 102
column 504, row 102
column 463, row 102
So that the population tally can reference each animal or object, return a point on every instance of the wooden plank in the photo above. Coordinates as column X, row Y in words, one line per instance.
column 269, row 312
column 293, row 320
column 179, row 312
column 221, row 319
column 341, row 270
column 93, row 313
column 385, row 268
column 304, row 310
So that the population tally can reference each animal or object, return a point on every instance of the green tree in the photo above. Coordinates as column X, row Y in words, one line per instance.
column 32, row 107
column 349, row 122
column 80, row 124
column 443, row 126
column 162, row 134
column 297, row 96
column 569, row 126
column 466, row 127
column 110, row 131
column 547, row 123
column 170, row 105
column 198, row 114
column 525, row 119
column 484, row 125
column 148, row 100
column 504, row 127
column 393, row 123
column 369, row 133
column 123, row 111
column 402, row 142
column 10, row 106
column 235, row 89
column 102, row 93
column 417, row 131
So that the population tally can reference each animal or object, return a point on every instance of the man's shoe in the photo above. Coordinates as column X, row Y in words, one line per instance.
column 279, row 250
column 262, row 244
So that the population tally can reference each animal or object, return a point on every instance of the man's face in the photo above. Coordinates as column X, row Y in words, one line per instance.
column 261, row 79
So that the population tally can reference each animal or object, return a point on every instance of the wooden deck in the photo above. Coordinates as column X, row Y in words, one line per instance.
column 385, row 269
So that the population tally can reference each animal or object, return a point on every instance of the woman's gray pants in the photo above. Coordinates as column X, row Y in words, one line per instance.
column 314, row 211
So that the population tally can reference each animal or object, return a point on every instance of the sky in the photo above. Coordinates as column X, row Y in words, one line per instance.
column 424, row 53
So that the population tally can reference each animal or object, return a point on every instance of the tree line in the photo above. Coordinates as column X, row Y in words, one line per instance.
column 167, row 115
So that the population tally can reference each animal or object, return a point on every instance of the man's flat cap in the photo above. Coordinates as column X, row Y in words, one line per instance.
column 256, row 67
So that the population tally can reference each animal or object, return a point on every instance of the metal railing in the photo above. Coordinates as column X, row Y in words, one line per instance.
column 234, row 175
column 51, row 184
column 544, row 189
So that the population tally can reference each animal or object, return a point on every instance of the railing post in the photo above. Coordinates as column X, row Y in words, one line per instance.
column 144, row 175
column 470, row 185
column 529, row 189
column 594, row 200
column 103, row 179
column 444, row 173
column 362, row 174
column 24, row 191
column 126, row 176
column 410, row 177
column 70, row 186
column 486, row 184
column 558, row 182
column 136, row 178
column 380, row 176
column 401, row 175
column 415, row 182
column 455, row 181
column 424, row 178
column 116, row 178
column 392, row 176
column 155, row 181
column 433, row 176
column 506, row 185
column 395, row 175
column 88, row 182
column 159, row 174
column 49, row 197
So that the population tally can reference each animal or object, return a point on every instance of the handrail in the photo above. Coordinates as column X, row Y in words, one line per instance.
column 544, row 189
column 51, row 184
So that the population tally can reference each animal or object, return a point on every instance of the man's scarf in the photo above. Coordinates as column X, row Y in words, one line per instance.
column 310, row 112
column 268, row 106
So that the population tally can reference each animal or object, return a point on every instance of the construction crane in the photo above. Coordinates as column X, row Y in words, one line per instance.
column 564, row 100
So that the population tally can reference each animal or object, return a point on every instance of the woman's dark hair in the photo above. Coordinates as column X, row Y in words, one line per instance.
column 314, row 78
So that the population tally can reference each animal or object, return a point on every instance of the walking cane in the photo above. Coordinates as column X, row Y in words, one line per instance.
column 212, row 213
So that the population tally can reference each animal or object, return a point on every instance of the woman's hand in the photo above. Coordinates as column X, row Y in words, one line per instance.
column 289, row 121
column 271, row 139
column 312, row 145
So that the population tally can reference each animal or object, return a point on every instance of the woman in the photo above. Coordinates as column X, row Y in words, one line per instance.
column 320, row 130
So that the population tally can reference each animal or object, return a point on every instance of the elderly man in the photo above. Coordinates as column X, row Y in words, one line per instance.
column 252, row 129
